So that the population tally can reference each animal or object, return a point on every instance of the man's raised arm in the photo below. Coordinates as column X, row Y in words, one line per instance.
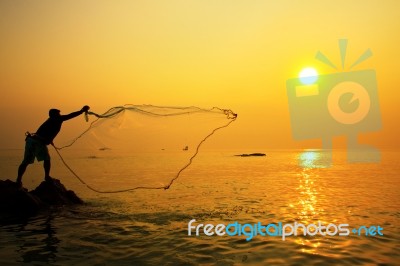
column 75, row 114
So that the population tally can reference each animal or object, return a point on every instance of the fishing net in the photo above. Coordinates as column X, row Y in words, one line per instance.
column 140, row 146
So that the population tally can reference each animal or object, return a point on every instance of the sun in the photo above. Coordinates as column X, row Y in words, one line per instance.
column 308, row 75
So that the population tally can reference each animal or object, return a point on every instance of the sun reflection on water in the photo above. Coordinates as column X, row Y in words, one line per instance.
column 307, row 210
column 307, row 197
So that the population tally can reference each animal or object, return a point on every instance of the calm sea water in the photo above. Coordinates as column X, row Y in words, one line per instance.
column 149, row 227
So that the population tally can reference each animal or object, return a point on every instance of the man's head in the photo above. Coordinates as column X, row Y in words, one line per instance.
column 54, row 113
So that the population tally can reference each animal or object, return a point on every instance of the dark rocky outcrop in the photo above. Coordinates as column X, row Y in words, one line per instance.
column 54, row 193
column 17, row 201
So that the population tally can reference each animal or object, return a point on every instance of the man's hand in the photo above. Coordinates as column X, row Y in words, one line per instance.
column 85, row 108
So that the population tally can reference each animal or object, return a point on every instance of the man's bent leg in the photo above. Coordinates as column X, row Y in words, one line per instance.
column 29, row 157
column 47, row 166
column 21, row 171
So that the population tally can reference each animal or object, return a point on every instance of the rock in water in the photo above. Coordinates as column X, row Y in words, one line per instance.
column 17, row 200
column 257, row 154
column 54, row 193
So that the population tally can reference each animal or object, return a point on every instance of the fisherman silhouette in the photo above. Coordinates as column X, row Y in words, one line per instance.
column 36, row 143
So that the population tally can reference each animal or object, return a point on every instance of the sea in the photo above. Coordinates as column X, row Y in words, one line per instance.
column 349, row 213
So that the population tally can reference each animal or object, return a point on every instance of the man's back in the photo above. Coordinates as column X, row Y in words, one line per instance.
column 49, row 129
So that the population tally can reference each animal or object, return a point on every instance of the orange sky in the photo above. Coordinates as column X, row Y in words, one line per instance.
column 231, row 54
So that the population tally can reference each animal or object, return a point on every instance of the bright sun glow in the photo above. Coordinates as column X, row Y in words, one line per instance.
column 308, row 75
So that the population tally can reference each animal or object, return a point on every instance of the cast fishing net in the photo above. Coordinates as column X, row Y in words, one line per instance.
column 140, row 146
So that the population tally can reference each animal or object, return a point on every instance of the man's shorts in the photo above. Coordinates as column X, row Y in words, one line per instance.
column 35, row 148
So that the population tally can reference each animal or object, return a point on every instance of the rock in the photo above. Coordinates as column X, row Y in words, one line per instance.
column 17, row 201
column 251, row 154
column 54, row 193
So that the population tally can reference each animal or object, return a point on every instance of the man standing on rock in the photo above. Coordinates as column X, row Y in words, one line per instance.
column 36, row 143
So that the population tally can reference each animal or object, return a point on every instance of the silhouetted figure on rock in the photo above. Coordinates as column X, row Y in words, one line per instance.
column 36, row 143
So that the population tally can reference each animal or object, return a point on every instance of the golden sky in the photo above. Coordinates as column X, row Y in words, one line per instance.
column 231, row 54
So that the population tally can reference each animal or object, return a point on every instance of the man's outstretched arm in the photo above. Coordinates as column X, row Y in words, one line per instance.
column 75, row 114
